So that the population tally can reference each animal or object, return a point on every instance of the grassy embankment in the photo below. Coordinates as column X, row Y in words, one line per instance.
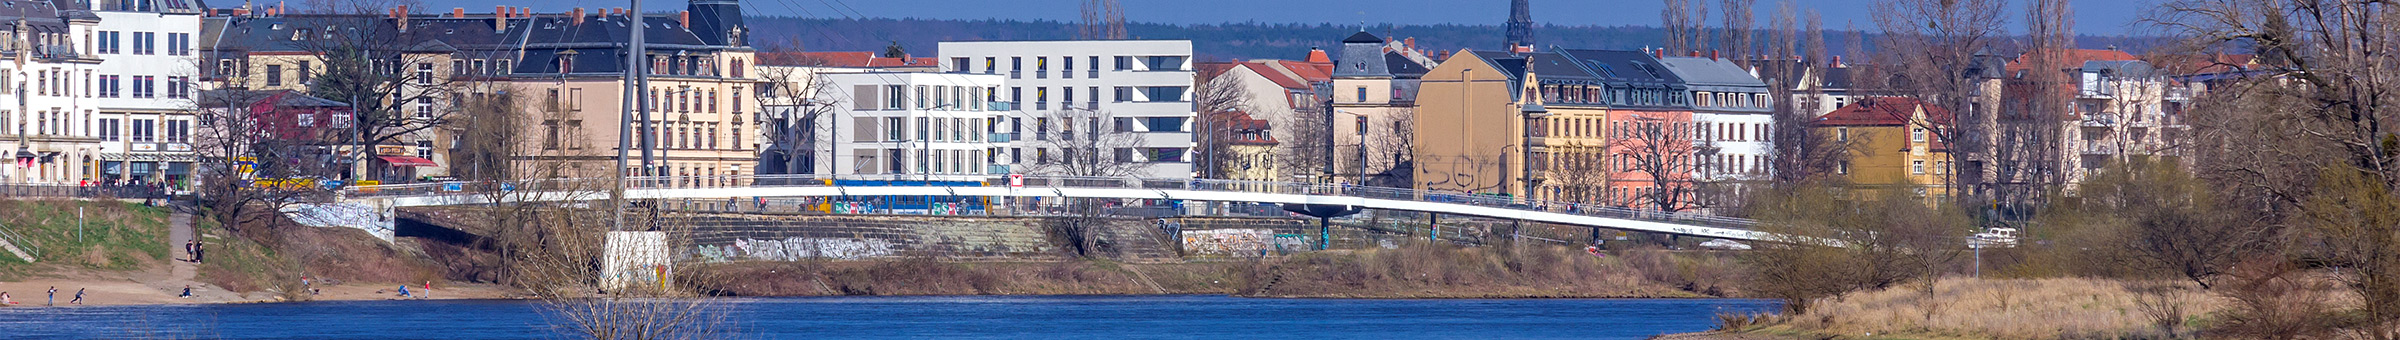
column 271, row 254
column 1961, row 308
column 1406, row 272
column 115, row 236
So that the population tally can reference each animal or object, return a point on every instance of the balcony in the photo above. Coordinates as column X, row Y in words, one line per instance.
column 2099, row 120
column 1041, row 74
column 1093, row 73
column 2095, row 92
column 1003, row 106
column 1001, row 137
column 2097, row 148
column 996, row 169
column 2179, row 93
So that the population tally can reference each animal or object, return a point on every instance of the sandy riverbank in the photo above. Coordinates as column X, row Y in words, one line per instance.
column 101, row 291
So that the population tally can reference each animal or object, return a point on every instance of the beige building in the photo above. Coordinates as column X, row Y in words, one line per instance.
column 1470, row 131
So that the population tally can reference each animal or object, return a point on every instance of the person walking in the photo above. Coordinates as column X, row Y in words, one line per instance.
column 53, row 298
column 188, row 247
column 78, row 297
column 199, row 250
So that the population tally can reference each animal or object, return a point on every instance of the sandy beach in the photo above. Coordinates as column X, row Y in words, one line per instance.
column 139, row 288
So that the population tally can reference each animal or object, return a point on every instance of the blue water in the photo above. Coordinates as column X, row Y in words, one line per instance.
column 1005, row 317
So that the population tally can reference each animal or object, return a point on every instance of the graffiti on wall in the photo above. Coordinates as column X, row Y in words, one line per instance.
column 798, row 248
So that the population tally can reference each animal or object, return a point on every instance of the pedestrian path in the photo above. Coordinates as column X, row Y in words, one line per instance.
column 179, row 231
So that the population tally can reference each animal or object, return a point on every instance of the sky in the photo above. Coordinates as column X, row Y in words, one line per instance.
column 2096, row 17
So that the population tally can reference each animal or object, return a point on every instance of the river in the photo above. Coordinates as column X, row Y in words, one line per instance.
column 1008, row 317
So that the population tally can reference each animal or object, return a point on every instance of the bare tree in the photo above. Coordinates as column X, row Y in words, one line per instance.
column 1400, row 172
column 1800, row 154
column 2313, row 134
column 1740, row 37
column 1217, row 95
column 1087, row 145
column 1303, row 145
column 1687, row 25
column 1660, row 151
column 255, row 163
column 394, row 77
column 2027, row 149
column 1946, row 40
column 1102, row 20
column 489, row 136
column 794, row 107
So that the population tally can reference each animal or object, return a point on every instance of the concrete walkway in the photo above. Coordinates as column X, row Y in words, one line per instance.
column 179, row 230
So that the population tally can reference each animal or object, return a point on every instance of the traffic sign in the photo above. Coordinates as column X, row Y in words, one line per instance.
column 1016, row 181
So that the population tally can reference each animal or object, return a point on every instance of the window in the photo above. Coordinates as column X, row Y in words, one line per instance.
column 179, row 44
column 179, row 131
column 892, row 127
column 1016, row 67
column 425, row 107
column 425, row 149
column 1066, row 67
column 1916, row 134
column 110, row 86
column 108, row 42
column 1124, row 94
column 145, row 131
column 424, row 74
column 145, row 87
column 145, row 43
column 1841, row 134
column 1916, row 167
column 1362, row 95
column 1124, row 63
column 274, row 75
column 109, row 129
column 897, row 99
column 1166, row 63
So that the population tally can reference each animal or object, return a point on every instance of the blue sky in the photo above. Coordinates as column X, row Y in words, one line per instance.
column 2104, row 17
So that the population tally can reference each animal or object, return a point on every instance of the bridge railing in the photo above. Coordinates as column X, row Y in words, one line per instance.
column 1081, row 182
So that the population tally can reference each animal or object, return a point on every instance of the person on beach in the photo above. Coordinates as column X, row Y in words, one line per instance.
column 4, row 300
column 53, row 301
column 428, row 292
column 78, row 297
column 199, row 250
column 187, row 292
column 404, row 291
column 188, row 247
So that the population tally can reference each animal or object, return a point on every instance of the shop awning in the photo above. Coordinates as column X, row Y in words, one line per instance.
column 407, row 161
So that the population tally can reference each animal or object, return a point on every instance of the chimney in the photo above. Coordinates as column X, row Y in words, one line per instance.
column 1318, row 56
column 458, row 12
column 1445, row 56
column 1837, row 61
column 499, row 18
column 1662, row 53
column 1712, row 54
column 1693, row 53
column 1411, row 42
column 684, row 19
column 578, row 16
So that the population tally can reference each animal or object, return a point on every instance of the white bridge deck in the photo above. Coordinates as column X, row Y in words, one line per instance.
column 441, row 194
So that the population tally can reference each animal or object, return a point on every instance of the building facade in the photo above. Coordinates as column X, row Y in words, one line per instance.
column 49, row 125
column 912, row 125
column 1732, row 114
column 143, row 91
column 1892, row 148
column 1122, row 107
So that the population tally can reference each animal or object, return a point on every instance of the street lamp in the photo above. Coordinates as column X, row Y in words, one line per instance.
column 1531, row 111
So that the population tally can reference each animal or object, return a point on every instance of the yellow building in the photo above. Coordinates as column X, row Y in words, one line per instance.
column 1470, row 127
column 1895, row 144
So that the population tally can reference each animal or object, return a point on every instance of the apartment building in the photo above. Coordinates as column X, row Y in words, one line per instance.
column 49, row 127
column 1282, row 92
column 1893, row 148
column 1120, row 107
column 1732, row 115
column 142, row 105
column 1374, row 96
column 1471, row 125
column 564, row 70
column 911, row 125
column 2122, row 109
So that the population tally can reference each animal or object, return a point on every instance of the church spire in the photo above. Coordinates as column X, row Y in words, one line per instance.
column 1520, row 24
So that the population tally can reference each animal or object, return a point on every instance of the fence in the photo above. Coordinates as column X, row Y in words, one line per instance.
column 72, row 191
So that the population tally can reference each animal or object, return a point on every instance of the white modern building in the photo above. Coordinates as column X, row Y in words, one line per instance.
column 912, row 125
column 141, row 98
column 1129, row 102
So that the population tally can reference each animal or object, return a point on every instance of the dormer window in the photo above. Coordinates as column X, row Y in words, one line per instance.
column 299, row 35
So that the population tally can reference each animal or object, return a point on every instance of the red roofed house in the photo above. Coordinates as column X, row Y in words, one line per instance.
column 1270, row 91
column 1894, row 142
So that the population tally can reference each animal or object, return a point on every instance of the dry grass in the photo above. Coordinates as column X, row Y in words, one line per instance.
column 1432, row 271
column 2055, row 308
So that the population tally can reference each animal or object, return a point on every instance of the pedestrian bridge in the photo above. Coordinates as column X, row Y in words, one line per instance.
column 1003, row 189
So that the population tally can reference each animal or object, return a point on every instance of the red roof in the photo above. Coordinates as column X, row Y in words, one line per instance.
column 1290, row 74
column 840, row 59
column 1881, row 111
column 2071, row 58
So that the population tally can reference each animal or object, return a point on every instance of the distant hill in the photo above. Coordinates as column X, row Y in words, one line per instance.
column 1245, row 40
